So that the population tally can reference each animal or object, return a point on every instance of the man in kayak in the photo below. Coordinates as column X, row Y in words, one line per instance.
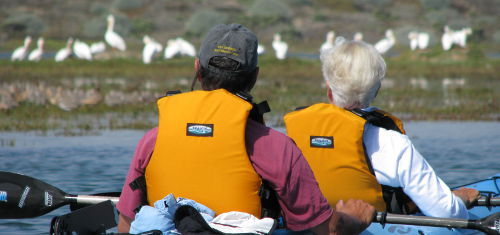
column 211, row 146
column 358, row 151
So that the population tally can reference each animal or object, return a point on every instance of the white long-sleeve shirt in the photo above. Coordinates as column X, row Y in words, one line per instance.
column 397, row 163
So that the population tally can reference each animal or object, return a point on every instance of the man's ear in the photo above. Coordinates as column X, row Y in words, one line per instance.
column 197, row 68
column 196, row 64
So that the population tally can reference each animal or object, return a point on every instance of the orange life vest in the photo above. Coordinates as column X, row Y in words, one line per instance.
column 331, row 139
column 200, row 152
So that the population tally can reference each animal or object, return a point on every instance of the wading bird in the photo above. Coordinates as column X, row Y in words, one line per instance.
column 21, row 52
column 65, row 52
column 36, row 55
column 280, row 47
column 82, row 50
column 97, row 47
column 386, row 43
column 151, row 47
column 329, row 42
column 358, row 36
column 112, row 38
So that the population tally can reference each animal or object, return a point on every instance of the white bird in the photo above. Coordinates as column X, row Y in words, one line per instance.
column 386, row 43
column 413, row 36
column 171, row 49
column 460, row 36
column 339, row 40
column 330, row 36
column 36, row 55
column 186, row 48
column 447, row 38
column 151, row 47
column 97, row 47
column 21, row 52
column 82, row 50
column 423, row 40
column 65, row 52
column 179, row 46
column 358, row 36
column 280, row 47
column 112, row 38
column 261, row 49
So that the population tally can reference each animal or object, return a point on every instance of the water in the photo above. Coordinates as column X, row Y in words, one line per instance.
column 460, row 152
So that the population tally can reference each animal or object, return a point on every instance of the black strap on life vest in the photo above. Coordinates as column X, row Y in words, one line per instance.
column 377, row 119
column 269, row 201
column 258, row 110
column 396, row 200
column 140, row 184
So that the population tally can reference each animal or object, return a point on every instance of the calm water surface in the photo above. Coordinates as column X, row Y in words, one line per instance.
column 460, row 152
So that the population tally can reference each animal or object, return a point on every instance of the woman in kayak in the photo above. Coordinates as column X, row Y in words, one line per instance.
column 212, row 147
column 358, row 151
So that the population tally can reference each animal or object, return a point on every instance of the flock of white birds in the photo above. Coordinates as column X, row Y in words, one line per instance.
column 181, row 47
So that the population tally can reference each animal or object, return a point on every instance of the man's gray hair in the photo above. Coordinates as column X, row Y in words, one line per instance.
column 354, row 71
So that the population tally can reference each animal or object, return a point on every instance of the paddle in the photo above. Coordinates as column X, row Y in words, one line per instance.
column 22, row 196
column 489, row 225
column 487, row 201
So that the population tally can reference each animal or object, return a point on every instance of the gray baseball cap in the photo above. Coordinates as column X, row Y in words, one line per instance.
column 233, row 41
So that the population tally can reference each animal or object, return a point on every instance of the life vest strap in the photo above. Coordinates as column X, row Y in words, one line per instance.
column 397, row 201
column 377, row 119
column 140, row 183
column 263, row 107
column 174, row 92
column 269, row 201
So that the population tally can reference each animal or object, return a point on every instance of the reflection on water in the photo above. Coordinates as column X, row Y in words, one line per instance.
column 460, row 152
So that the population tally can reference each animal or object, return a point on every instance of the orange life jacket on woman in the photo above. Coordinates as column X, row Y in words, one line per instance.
column 331, row 139
column 200, row 152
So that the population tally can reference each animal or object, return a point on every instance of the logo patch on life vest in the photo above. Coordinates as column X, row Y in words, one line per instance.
column 202, row 130
column 321, row 141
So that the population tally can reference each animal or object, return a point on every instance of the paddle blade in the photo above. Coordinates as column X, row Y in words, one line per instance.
column 22, row 196
column 490, row 225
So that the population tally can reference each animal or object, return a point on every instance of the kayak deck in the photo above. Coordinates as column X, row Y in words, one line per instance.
column 489, row 186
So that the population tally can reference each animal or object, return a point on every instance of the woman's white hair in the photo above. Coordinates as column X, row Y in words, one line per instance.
column 354, row 71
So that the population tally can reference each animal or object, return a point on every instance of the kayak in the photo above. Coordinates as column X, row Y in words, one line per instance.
column 489, row 186
column 43, row 198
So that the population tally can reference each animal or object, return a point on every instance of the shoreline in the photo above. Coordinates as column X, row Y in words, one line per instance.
column 427, row 87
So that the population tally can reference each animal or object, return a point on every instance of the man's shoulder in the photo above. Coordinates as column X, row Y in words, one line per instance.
column 258, row 130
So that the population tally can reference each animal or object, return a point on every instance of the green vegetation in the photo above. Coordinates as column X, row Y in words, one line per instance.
column 285, row 84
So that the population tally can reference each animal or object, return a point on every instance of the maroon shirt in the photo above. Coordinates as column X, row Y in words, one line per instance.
column 274, row 156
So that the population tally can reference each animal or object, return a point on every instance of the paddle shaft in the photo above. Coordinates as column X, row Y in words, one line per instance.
column 90, row 199
column 485, row 201
column 489, row 224
column 421, row 220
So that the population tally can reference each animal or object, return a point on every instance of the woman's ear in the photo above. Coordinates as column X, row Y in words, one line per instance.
column 329, row 93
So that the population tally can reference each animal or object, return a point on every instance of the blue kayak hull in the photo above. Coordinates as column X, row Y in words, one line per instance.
column 485, row 186
column 490, row 185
